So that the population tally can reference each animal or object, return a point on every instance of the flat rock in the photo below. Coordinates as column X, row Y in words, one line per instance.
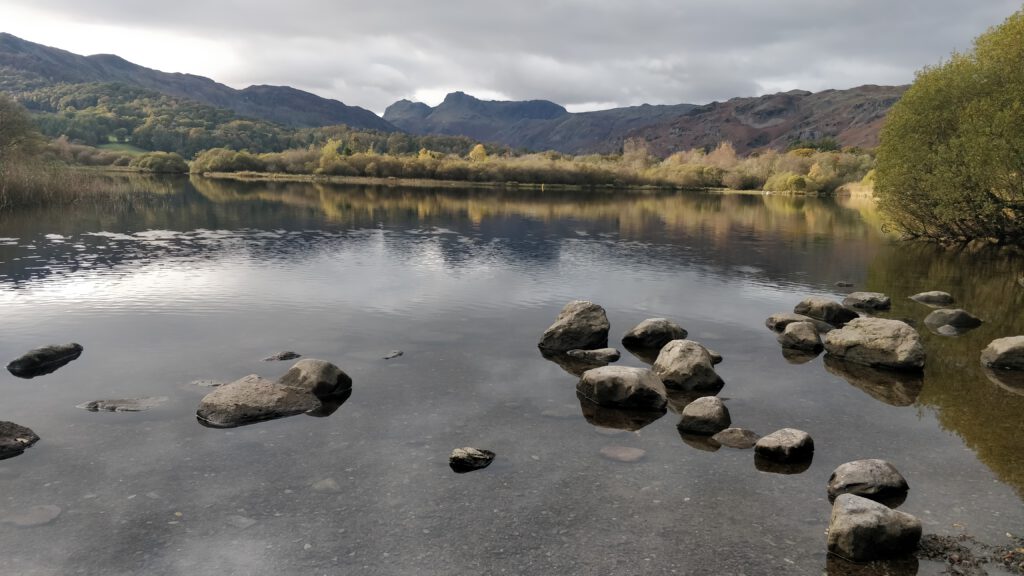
column 580, row 325
column 705, row 416
column 469, row 459
column 877, row 342
column 867, row 301
column 253, row 399
column 874, row 479
column 623, row 387
column 208, row 383
column 33, row 516
column 786, row 445
column 825, row 310
column 44, row 360
column 863, row 530
column 281, row 356
column 893, row 387
column 653, row 334
column 393, row 354
column 1004, row 353
column 14, row 439
column 601, row 356
column 686, row 365
column 933, row 298
column 623, row 453
column 779, row 321
column 801, row 336
column 318, row 377
column 123, row 405
column 738, row 438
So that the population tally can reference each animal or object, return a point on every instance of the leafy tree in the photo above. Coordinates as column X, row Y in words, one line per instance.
column 951, row 160
column 478, row 153
column 18, row 135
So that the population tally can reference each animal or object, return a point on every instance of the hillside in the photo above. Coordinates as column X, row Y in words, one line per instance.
column 27, row 66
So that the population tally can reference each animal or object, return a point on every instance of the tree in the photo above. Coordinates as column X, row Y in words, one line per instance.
column 18, row 135
column 478, row 153
column 951, row 159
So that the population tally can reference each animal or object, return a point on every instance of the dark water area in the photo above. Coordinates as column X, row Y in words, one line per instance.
column 204, row 279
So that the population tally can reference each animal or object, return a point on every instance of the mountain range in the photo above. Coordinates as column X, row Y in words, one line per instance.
column 851, row 117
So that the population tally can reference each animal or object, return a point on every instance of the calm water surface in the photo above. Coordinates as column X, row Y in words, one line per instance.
column 207, row 278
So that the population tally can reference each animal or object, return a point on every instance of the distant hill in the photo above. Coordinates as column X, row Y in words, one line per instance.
column 26, row 66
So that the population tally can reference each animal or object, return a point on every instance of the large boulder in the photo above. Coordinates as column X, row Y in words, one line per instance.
column 253, row 399
column 705, row 416
column 874, row 479
column 1004, row 353
column 800, row 336
column 933, row 298
column 779, row 321
column 317, row 377
column 867, row 301
column 653, row 334
column 686, row 365
column 786, row 445
column 623, row 387
column 44, row 360
column 14, row 439
column 863, row 530
column 877, row 342
column 825, row 310
column 580, row 325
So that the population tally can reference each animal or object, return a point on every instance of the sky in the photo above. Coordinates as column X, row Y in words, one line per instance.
column 585, row 55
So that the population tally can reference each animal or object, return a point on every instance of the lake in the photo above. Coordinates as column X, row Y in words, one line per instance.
column 204, row 278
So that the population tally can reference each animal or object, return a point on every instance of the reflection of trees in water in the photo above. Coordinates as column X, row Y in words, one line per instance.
column 989, row 418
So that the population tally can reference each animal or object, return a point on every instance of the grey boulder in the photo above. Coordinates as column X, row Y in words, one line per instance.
column 736, row 438
column 253, row 399
column 580, row 325
column 786, row 445
column 867, row 301
column 800, row 336
column 686, row 365
column 705, row 416
column 623, row 387
column 653, row 334
column 863, row 530
column 874, row 479
column 933, row 298
column 44, row 360
column 14, row 439
column 825, row 310
column 1004, row 353
column 317, row 377
column 877, row 342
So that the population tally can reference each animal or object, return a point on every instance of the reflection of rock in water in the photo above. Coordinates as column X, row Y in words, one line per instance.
column 630, row 420
column 680, row 399
column 646, row 355
column 893, row 388
column 572, row 365
column 906, row 566
column 330, row 404
column 699, row 441
column 768, row 465
column 794, row 356
column 1010, row 380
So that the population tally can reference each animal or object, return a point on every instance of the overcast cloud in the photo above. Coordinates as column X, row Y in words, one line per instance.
column 582, row 54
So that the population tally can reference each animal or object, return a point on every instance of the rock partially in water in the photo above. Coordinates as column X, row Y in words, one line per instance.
column 801, row 336
column 867, row 301
column 208, row 383
column 617, row 419
column 933, row 298
column 738, row 438
column 33, row 516
column 825, row 310
column 705, row 416
column 253, row 399
column 877, row 342
column 778, row 322
column 580, row 325
column 469, row 459
column 895, row 388
column 601, row 356
column 786, row 445
column 951, row 322
column 623, row 453
column 686, row 365
column 863, row 530
column 653, row 334
column 44, row 360
column 872, row 478
column 14, row 439
column 317, row 377
column 393, row 354
column 282, row 356
column 1004, row 353
column 123, row 405
column 624, row 388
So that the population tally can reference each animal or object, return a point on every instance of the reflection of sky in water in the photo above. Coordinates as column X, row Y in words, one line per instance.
column 464, row 292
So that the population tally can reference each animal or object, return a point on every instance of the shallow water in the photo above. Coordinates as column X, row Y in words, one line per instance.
column 208, row 278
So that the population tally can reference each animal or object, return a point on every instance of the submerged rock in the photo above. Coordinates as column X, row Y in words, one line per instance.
column 327, row 485
column 1004, row 353
column 44, row 360
column 622, row 387
column 801, row 336
column 895, row 388
column 601, row 356
column 778, row 322
column 686, row 365
column 33, row 516
column 123, row 405
column 392, row 354
column 469, row 459
column 580, row 325
column 933, row 298
column 571, row 364
column 825, row 310
column 867, row 301
column 623, row 453
column 863, row 530
column 240, row 522
column 318, row 377
column 738, row 438
column 705, row 416
column 786, row 445
column 14, row 439
column 653, row 334
column 877, row 342
column 701, row 442
column 616, row 419
column 253, row 399
column 844, row 284
column 281, row 356
column 874, row 479
column 951, row 322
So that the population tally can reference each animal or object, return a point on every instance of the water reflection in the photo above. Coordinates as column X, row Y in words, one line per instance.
column 604, row 417
column 888, row 386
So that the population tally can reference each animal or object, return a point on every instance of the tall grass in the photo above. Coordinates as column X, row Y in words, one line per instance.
column 28, row 183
